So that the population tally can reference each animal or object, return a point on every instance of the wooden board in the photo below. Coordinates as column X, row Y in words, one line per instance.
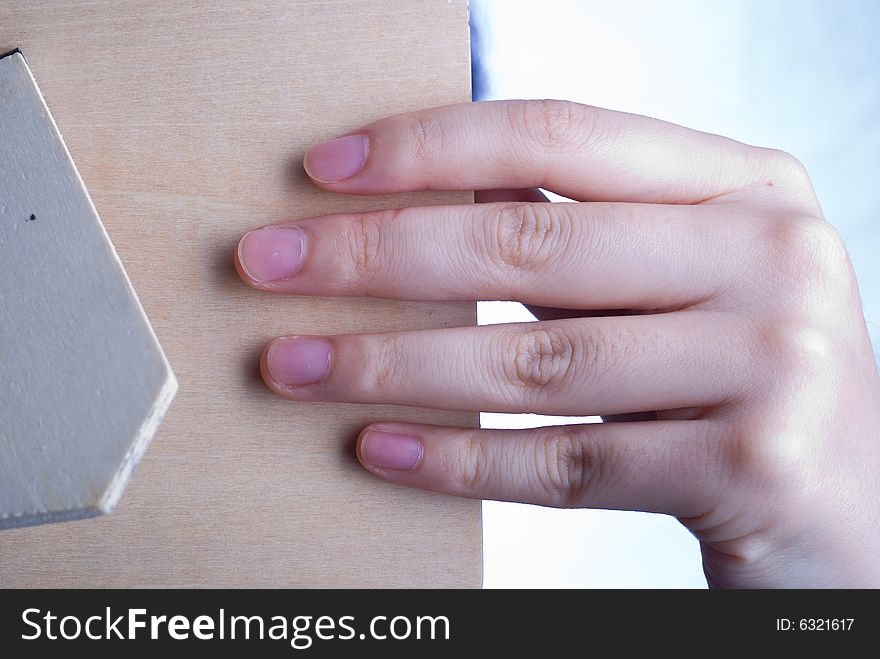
column 84, row 382
column 188, row 123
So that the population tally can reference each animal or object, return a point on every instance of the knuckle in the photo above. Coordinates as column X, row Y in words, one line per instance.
column 781, row 439
column 566, row 467
column 528, row 235
column 540, row 359
column 364, row 243
column 811, row 258
column 769, row 456
column 822, row 247
column 424, row 134
column 472, row 467
column 786, row 171
column 551, row 124
column 386, row 358
column 797, row 347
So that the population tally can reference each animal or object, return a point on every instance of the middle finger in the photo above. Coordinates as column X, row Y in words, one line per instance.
column 571, row 255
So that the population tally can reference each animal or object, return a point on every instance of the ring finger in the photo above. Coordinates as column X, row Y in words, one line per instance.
column 581, row 366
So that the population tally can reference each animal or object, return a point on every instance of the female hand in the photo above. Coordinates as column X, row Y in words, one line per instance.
column 696, row 290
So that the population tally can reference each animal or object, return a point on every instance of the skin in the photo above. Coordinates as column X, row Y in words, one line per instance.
column 694, row 295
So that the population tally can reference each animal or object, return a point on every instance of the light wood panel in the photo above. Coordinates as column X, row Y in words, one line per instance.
column 188, row 122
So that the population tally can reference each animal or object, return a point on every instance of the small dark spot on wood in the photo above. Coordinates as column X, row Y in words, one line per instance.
column 32, row 217
column 769, row 184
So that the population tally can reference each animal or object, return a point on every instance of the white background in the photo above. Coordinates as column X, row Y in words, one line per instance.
column 800, row 75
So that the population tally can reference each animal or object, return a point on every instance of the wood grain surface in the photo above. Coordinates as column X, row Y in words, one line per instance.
column 188, row 122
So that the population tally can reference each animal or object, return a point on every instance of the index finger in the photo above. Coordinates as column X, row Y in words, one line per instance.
column 579, row 151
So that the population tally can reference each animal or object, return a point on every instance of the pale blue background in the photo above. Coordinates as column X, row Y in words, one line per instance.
column 799, row 75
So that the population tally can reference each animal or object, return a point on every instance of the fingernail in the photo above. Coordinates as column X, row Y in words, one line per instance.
column 391, row 450
column 299, row 361
column 336, row 160
column 271, row 253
